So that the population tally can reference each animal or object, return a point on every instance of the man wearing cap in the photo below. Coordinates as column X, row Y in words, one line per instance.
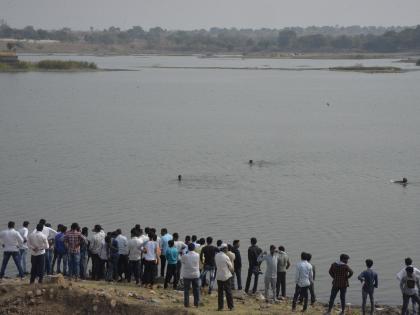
column 95, row 244
column 191, row 275
column 224, row 272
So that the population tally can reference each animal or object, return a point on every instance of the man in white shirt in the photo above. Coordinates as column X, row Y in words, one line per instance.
column 50, row 233
column 95, row 244
column 134, row 256
column 303, row 279
column 11, row 241
column 37, row 243
column 402, row 273
column 224, row 272
column 151, row 260
column 181, row 247
column 272, row 260
column 123, row 254
column 191, row 275
column 23, row 250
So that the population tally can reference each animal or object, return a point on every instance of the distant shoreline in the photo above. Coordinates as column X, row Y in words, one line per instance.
column 84, row 49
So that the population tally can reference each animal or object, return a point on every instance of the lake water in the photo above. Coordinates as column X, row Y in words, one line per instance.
column 107, row 147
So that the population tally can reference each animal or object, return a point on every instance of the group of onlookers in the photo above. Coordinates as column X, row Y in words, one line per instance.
column 183, row 264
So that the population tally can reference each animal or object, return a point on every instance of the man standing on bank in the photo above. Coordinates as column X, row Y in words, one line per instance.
column 224, row 269
column 254, row 266
column 341, row 273
column 37, row 243
column 283, row 265
column 11, row 241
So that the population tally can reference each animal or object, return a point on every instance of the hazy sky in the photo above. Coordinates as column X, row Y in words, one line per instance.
column 192, row 14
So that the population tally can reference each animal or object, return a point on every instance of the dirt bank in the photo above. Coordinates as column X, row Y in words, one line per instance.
column 63, row 297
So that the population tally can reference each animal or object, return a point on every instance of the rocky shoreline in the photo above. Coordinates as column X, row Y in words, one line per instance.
column 59, row 296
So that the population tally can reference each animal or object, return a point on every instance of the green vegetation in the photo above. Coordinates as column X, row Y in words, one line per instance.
column 359, row 68
column 48, row 65
column 353, row 39
column 66, row 65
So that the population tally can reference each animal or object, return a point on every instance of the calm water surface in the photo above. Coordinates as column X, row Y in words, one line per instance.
column 107, row 147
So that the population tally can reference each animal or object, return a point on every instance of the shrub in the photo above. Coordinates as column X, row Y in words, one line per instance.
column 65, row 65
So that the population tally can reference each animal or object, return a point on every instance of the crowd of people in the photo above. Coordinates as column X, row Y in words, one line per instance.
column 193, row 263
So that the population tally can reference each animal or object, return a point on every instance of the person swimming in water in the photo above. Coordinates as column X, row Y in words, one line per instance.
column 404, row 181
column 179, row 178
column 251, row 162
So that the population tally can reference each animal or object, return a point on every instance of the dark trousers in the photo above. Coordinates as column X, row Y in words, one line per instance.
column 238, row 274
column 49, row 253
column 178, row 272
column 97, row 267
column 150, row 268
column 102, row 268
column 252, row 270
column 54, row 260
column 162, row 265
column 334, row 292
column 37, row 269
column 16, row 259
column 224, row 287
column 312, row 292
column 406, row 300
column 123, row 265
column 196, row 291
column 281, row 284
column 365, row 294
column 303, row 293
column 112, row 268
column 134, row 269
column 170, row 272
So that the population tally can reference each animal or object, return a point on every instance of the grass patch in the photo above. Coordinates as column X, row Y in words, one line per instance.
column 66, row 65
column 358, row 68
column 48, row 65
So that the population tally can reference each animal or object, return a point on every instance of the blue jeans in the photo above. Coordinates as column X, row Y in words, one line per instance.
column 365, row 294
column 83, row 264
column 48, row 260
column 212, row 271
column 333, row 295
column 62, row 257
column 74, row 263
column 23, row 253
column 112, row 268
column 16, row 259
column 196, row 291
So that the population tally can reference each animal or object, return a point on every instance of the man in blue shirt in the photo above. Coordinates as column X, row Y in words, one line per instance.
column 166, row 237
column 171, row 256
column 369, row 278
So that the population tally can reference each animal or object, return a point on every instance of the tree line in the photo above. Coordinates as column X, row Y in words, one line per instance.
column 217, row 40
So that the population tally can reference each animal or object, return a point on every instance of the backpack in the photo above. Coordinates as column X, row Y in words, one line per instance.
column 410, row 282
